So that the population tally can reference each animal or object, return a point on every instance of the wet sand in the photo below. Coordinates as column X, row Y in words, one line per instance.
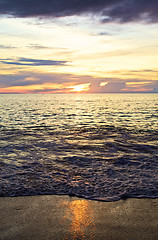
column 64, row 217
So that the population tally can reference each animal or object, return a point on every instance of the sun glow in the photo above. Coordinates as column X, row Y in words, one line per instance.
column 102, row 84
column 80, row 87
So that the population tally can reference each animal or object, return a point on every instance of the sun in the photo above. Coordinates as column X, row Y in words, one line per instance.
column 80, row 87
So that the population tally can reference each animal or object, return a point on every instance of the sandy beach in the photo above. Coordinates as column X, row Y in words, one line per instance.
column 64, row 217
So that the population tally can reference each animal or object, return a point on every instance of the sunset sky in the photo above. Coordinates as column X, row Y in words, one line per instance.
column 68, row 46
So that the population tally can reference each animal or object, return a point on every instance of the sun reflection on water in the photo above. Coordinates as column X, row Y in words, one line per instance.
column 81, row 220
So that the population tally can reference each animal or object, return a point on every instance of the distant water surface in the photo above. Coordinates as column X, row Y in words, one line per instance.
column 96, row 146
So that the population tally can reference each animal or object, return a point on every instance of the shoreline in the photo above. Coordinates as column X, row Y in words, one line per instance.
column 122, row 197
column 61, row 217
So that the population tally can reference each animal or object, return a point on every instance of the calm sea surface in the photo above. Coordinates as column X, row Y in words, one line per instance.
column 97, row 146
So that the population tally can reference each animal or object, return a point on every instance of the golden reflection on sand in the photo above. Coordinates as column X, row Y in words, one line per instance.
column 80, row 214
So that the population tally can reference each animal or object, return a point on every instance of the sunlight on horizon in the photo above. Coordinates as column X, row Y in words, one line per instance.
column 77, row 50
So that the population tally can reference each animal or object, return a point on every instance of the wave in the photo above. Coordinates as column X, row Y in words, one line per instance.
column 105, row 163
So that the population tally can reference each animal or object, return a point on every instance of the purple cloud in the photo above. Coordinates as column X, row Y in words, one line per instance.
column 111, row 10
column 32, row 62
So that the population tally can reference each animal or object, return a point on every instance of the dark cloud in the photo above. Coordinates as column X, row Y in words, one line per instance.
column 33, row 8
column 111, row 10
column 33, row 78
column 114, row 86
column 151, row 87
column 120, row 86
column 132, row 10
column 9, row 80
column 32, row 62
column 110, row 87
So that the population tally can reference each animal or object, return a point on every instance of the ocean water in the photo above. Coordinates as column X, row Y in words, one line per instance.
column 95, row 146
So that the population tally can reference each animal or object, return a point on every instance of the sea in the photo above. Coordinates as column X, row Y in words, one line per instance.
column 95, row 146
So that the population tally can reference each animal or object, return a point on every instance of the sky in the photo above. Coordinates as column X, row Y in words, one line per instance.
column 78, row 46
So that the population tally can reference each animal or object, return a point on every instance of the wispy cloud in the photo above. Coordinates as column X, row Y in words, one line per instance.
column 111, row 10
column 6, row 46
column 38, row 47
column 32, row 62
